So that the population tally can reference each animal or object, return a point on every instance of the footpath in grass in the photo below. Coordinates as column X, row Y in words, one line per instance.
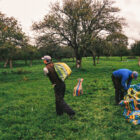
column 27, row 109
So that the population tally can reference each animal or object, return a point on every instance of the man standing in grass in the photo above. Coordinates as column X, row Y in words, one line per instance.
column 122, row 79
column 59, row 88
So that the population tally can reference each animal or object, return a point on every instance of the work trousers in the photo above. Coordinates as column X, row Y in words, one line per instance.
column 61, row 105
column 119, row 91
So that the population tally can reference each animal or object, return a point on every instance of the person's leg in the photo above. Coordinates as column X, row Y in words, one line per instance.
column 115, row 83
column 120, row 88
column 117, row 96
column 61, row 105
column 122, row 93
column 58, row 98
column 67, row 109
column 59, row 108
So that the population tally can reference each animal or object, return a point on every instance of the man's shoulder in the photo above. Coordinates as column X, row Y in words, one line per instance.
column 123, row 70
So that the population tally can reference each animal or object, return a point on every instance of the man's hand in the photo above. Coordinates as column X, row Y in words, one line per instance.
column 45, row 71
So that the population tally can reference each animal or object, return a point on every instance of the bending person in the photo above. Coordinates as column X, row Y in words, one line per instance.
column 122, row 79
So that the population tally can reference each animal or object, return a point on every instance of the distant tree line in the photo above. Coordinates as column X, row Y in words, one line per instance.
column 76, row 29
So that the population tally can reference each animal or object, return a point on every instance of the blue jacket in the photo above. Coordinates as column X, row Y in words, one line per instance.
column 125, row 76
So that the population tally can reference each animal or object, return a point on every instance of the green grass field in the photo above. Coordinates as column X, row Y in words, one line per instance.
column 27, row 108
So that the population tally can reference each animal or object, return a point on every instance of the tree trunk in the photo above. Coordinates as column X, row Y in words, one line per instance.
column 78, row 56
column 139, row 61
column 31, row 62
column 121, row 58
column 94, row 60
column 25, row 61
column 11, row 64
column 78, row 63
column 6, row 62
column 98, row 60
column 73, row 59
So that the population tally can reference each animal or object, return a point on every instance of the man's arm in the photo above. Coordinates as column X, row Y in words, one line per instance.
column 129, row 83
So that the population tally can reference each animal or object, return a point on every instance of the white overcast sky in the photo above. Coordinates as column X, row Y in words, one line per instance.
column 29, row 11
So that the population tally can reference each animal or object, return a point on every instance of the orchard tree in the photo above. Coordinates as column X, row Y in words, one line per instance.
column 96, row 48
column 11, row 36
column 29, row 52
column 108, row 48
column 77, row 22
column 119, row 42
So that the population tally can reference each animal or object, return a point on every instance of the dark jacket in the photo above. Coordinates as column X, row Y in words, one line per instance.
column 53, row 75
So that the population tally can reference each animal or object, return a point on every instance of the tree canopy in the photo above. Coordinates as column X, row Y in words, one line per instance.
column 119, row 42
column 11, row 38
column 77, row 22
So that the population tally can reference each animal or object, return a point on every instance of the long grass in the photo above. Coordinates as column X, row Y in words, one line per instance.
column 27, row 104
